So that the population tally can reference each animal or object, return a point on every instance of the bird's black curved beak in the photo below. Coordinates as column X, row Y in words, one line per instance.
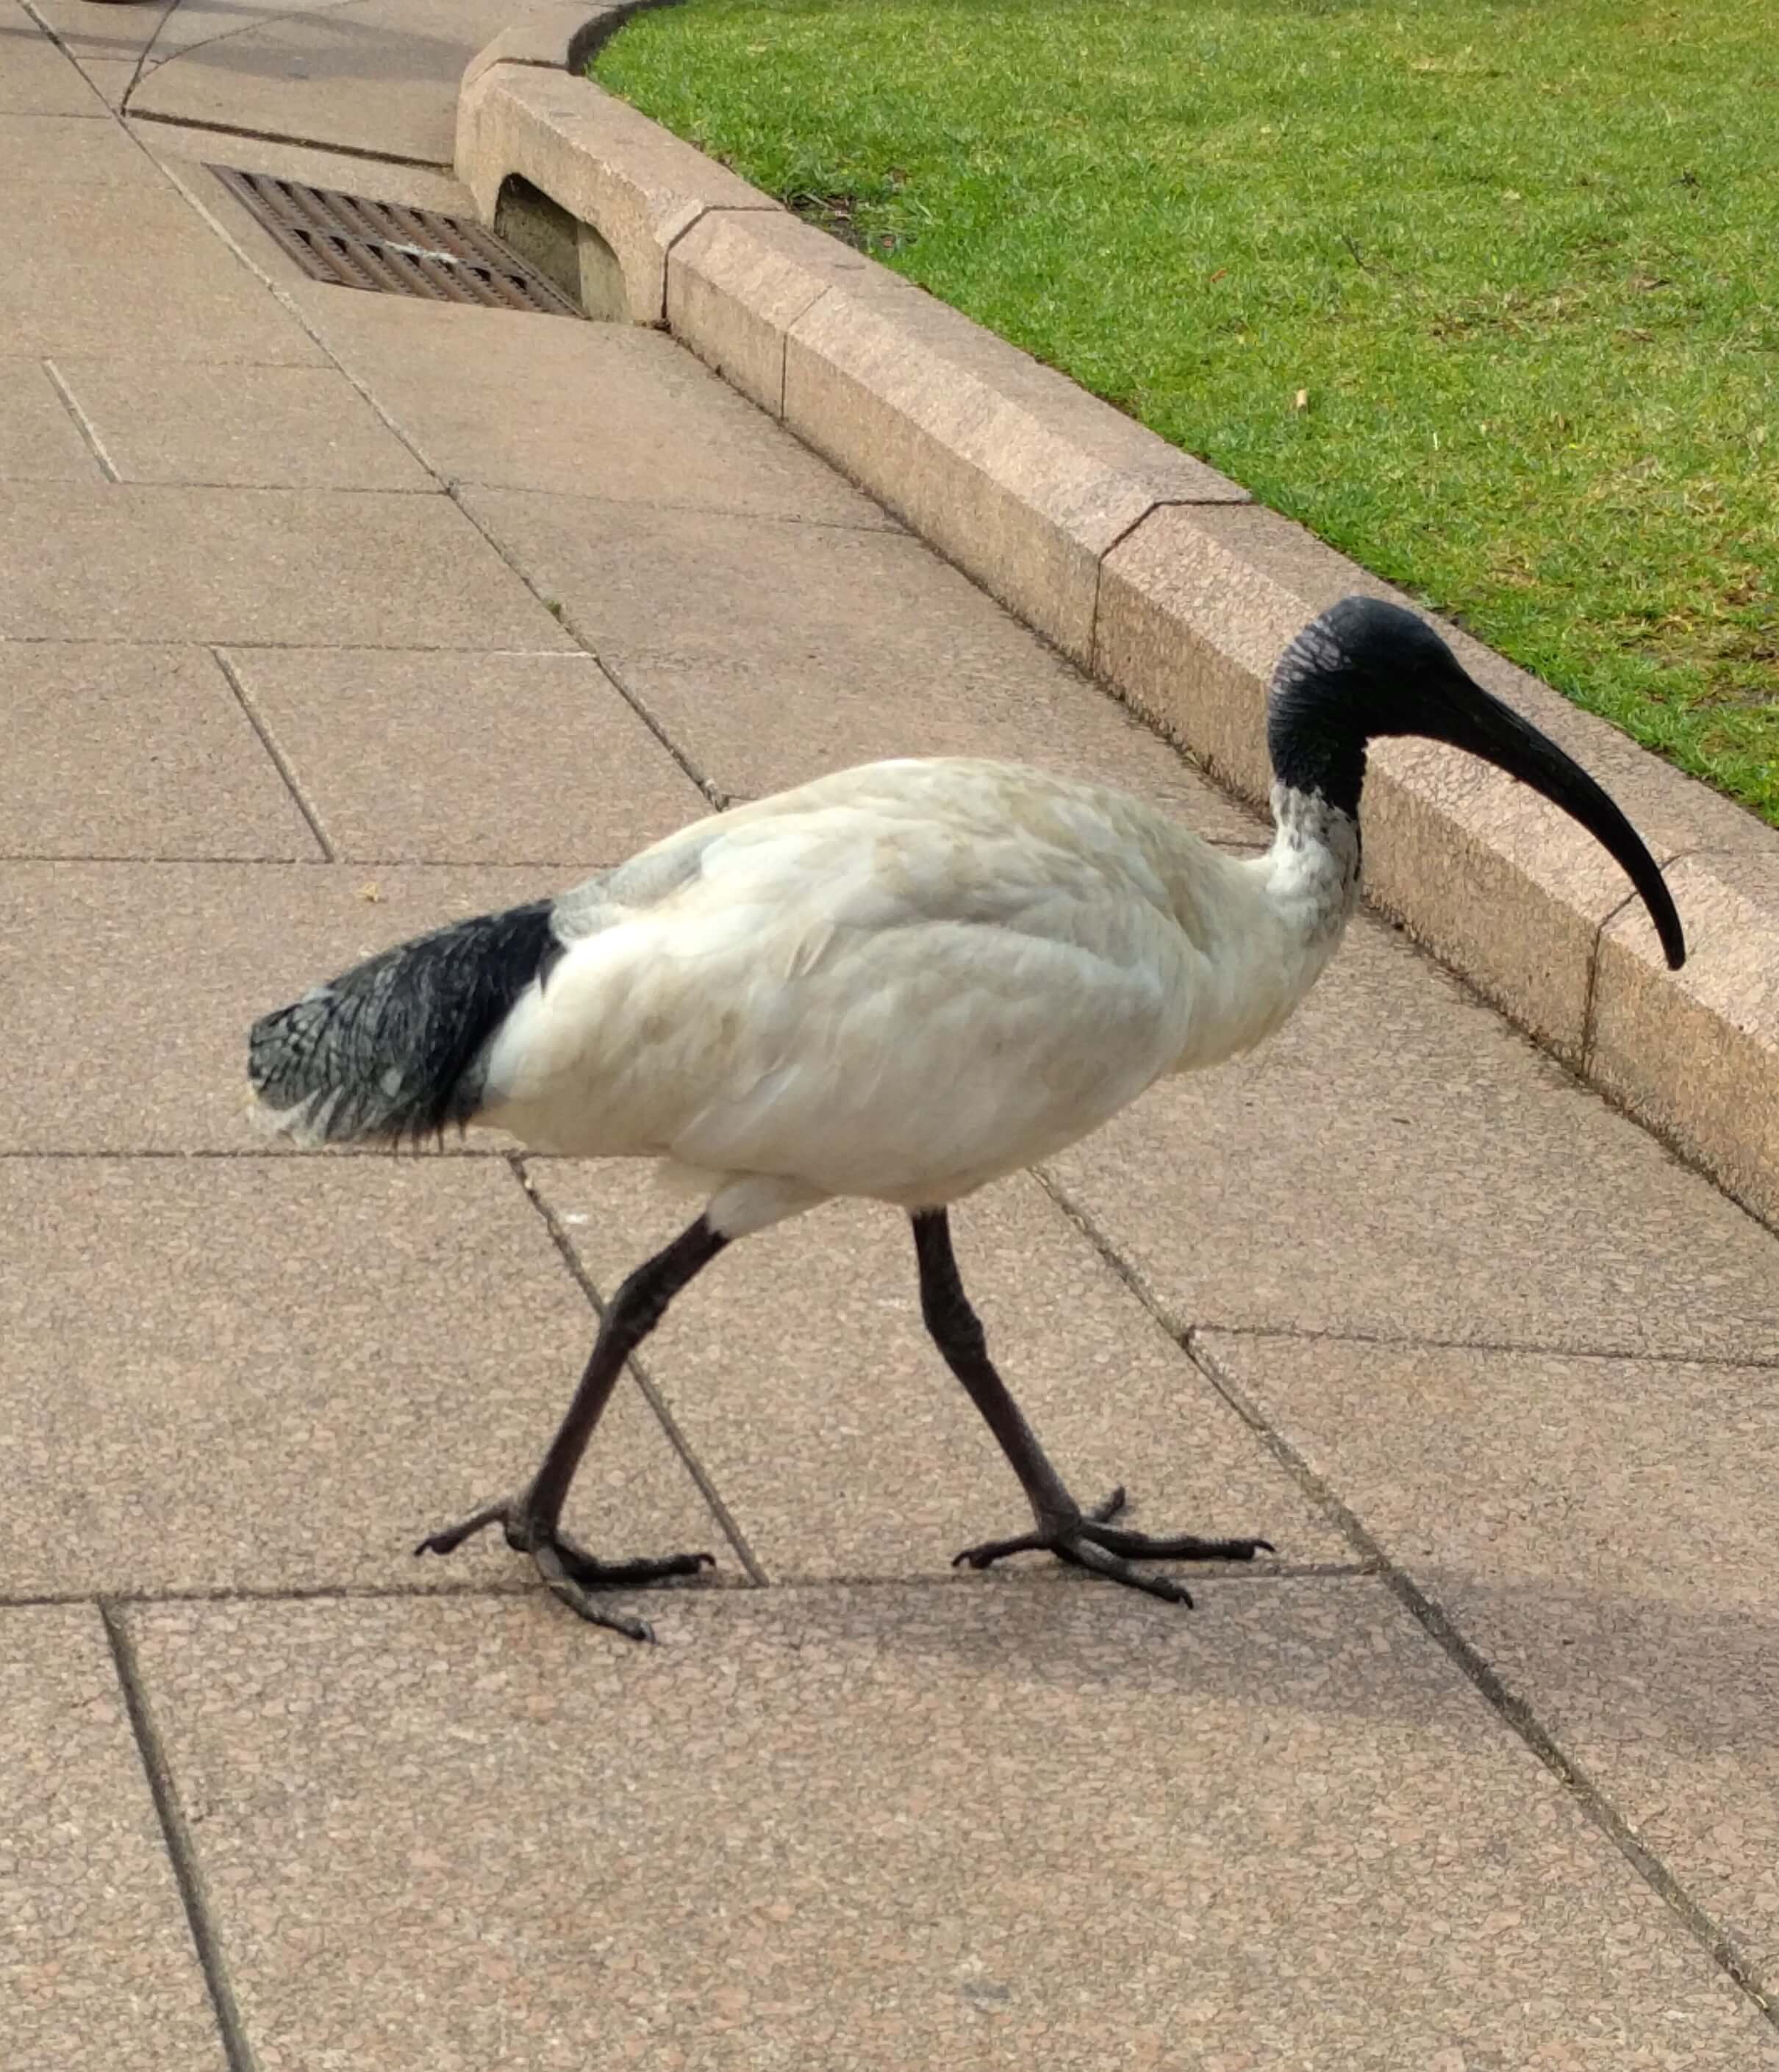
column 1469, row 718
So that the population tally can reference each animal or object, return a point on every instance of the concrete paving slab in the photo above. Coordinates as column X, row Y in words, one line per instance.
column 39, row 441
column 302, row 568
column 378, row 75
column 77, row 278
column 799, row 1369
column 769, row 653
column 975, row 1827
column 1606, row 1532
column 243, row 427
column 467, row 758
column 71, row 151
column 97, row 1965
column 278, row 1373
column 104, row 30
column 35, row 78
column 118, row 752
column 503, row 397
column 110, row 79
column 175, row 962
column 1397, row 1162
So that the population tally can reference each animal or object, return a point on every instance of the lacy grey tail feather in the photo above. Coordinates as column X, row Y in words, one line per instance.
column 394, row 1050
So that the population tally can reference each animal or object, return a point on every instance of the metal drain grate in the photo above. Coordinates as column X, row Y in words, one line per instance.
column 355, row 242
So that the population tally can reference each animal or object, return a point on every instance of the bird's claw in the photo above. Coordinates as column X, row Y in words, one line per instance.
column 571, row 1571
column 1091, row 1541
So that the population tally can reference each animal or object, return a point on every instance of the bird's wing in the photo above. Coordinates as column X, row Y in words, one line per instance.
column 899, row 982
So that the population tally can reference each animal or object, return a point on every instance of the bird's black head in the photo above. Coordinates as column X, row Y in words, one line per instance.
column 1365, row 668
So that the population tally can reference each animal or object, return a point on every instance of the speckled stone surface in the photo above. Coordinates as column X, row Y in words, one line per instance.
column 75, row 149
column 971, row 1826
column 39, row 441
column 135, row 752
column 97, row 1969
column 279, row 1374
column 432, row 758
column 37, row 79
column 161, row 561
column 177, row 961
column 799, row 1371
column 1606, row 1532
column 77, row 276
column 240, row 427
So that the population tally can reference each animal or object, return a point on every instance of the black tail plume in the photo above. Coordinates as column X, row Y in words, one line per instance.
column 391, row 1051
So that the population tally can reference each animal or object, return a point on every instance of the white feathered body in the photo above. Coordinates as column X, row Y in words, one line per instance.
column 906, row 980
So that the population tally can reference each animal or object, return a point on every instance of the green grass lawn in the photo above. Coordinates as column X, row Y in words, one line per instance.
column 1486, row 293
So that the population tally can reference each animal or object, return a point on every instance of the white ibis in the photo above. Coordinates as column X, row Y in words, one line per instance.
column 899, row 982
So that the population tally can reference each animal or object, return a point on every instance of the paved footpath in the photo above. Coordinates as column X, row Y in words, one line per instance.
column 326, row 616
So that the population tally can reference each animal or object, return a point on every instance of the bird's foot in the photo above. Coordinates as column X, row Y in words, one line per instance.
column 1090, row 1541
column 572, row 1573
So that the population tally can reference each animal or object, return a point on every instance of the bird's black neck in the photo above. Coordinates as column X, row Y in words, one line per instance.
column 1319, row 717
column 1317, row 728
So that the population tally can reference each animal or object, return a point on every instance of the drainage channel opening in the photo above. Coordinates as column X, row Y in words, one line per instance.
column 351, row 241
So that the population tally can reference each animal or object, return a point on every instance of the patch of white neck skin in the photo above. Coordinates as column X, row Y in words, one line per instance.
column 1312, row 868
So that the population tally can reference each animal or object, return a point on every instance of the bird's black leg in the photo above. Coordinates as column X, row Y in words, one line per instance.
column 531, row 1520
column 1084, row 1539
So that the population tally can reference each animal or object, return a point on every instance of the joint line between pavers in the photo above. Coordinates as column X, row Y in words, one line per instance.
column 452, row 484
column 117, row 1153
column 263, row 729
column 300, row 143
column 177, row 1837
column 720, row 799
column 652, row 1396
column 1514, row 1711
column 139, row 856
column 514, row 1589
column 144, row 69
column 360, row 862
column 711, row 792
column 285, row 647
column 83, row 423
column 1529, row 1349
column 1109, row 1253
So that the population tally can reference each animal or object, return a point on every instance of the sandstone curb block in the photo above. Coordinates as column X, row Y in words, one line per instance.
column 1013, row 472
column 1695, row 1052
column 736, row 284
column 598, row 160
column 1178, row 593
